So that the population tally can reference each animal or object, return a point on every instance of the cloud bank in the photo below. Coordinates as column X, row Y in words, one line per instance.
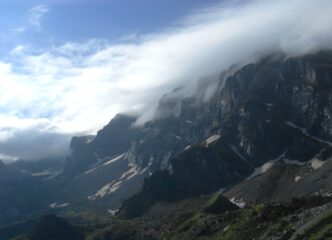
column 77, row 88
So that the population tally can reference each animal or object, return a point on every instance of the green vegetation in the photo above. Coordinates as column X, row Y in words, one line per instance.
column 321, row 228
column 191, row 219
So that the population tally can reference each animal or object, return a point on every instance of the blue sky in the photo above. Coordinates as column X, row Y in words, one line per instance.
column 78, row 20
column 68, row 66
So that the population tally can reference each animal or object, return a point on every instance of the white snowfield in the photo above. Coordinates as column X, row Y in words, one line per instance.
column 212, row 139
column 113, row 160
column 90, row 139
column 266, row 166
column 293, row 162
column 58, row 205
column 297, row 178
column 189, row 122
column 40, row 174
column 187, row 147
column 316, row 163
column 304, row 132
column 90, row 171
column 262, row 169
column 238, row 202
column 112, row 212
column 177, row 137
column 115, row 185
column 234, row 149
column 268, row 104
column 107, row 189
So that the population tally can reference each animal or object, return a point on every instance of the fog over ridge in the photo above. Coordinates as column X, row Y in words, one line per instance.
column 76, row 88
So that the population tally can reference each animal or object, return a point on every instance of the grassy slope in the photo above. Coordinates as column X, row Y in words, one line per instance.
column 188, row 219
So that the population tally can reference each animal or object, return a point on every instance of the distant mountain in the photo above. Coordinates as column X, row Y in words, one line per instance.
column 18, row 195
column 114, row 139
column 40, row 168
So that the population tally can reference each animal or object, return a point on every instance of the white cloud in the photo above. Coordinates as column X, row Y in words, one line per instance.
column 36, row 14
column 76, row 88
column 19, row 49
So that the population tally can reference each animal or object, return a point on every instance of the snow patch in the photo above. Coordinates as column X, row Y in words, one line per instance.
column 212, row 139
column 266, row 166
column 90, row 171
column 106, row 190
column 304, row 132
column 316, row 163
column 90, row 139
column 297, row 178
column 268, row 104
column 239, row 202
column 291, row 124
column 293, row 162
column 57, row 205
column 133, row 171
column 187, row 147
column 189, row 122
column 40, row 174
column 112, row 212
column 115, row 185
column 234, row 149
column 328, row 194
column 104, row 164
column 114, row 159
column 177, row 137
column 262, row 169
column 151, row 160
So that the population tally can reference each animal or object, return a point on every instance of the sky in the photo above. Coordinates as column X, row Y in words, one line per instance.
column 68, row 66
column 58, row 21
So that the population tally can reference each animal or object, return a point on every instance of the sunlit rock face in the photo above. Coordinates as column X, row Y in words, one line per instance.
column 235, row 124
column 272, row 111
column 260, row 109
column 114, row 139
column 274, row 106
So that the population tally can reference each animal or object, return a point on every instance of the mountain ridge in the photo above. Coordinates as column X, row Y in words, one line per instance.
column 266, row 119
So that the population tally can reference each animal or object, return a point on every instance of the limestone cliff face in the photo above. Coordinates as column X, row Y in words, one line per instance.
column 264, row 112
column 267, row 125
column 266, row 107
column 271, row 111
column 261, row 110
column 114, row 139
